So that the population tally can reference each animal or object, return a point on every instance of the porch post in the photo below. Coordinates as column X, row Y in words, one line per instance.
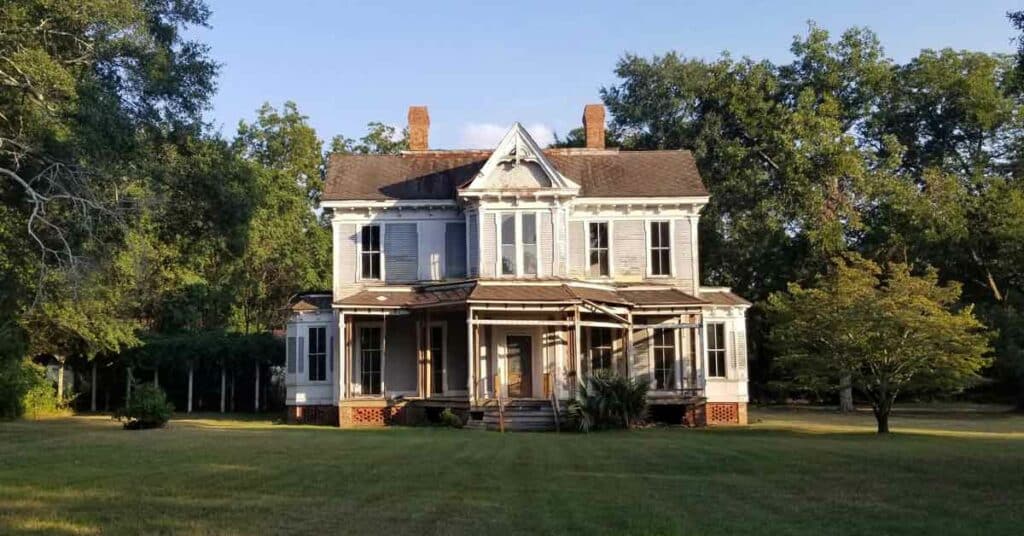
column 577, row 358
column 471, row 356
column 191, row 366
column 628, row 350
column 383, row 355
column 421, row 391
column 92, row 395
column 428, row 362
column 342, row 356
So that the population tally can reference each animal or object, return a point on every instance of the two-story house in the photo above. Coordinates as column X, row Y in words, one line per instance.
column 462, row 278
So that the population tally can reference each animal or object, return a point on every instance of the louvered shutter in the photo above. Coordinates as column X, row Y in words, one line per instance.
column 740, row 353
column 301, row 354
column 291, row 355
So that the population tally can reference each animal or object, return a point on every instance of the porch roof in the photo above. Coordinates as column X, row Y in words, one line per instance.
column 548, row 292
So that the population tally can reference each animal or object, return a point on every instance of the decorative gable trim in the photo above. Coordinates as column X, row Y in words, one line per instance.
column 518, row 146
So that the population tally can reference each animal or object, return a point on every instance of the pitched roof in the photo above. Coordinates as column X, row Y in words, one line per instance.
column 410, row 298
column 523, row 293
column 659, row 297
column 723, row 297
column 435, row 175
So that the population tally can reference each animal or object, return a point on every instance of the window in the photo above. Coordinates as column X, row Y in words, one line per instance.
column 599, row 249
column 508, row 244
column 664, row 346
column 455, row 250
column 716, row 350
column 370, row 252
column 661, row 249
column 529, row 233
column 600, row 349
column 370, row 360
column 317, row 354
column 437, row 358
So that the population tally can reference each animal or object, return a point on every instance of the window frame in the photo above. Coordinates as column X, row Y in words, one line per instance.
column 320, row 355
column 521, row 244
column 592, row 349
column 358, row 328
column 648, row 224
column 380, row 252
column 608, row 248
column 716, row 353
column 519, row 247
column 674, row 346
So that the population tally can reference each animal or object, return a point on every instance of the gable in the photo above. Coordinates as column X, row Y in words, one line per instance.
column 518, row 163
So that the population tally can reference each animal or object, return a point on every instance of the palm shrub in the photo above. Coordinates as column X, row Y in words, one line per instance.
column 147, row 408
column 608, row 400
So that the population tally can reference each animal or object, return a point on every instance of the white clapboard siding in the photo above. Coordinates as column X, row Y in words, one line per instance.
column 488, row 245
column 577, row 249
column 545, row 247
column 630, row 255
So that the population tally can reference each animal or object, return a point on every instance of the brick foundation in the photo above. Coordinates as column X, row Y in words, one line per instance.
column 320, row 415
column 726, row 413
column 359, row 416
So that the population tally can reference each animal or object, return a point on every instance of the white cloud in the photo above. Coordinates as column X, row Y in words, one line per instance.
column 487, row 135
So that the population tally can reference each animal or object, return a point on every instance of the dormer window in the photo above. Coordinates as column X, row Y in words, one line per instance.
column 369, row 257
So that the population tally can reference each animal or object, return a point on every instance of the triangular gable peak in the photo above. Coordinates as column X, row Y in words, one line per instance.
column 518, row 166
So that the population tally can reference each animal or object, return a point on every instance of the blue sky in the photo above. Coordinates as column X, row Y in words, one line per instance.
column 479, row 66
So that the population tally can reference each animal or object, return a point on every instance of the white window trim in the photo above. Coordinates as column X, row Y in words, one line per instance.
column 671, row 248
column 586, row 248
column 327, row 353
column 517, row 225
column 707, row 353
column 359, row 251
column 444, row 357
column 678, row 357
column 357, row 359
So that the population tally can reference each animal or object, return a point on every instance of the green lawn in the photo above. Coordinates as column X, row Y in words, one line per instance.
column 792, row 472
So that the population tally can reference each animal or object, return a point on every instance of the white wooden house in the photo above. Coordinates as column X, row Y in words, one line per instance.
column 467, row 278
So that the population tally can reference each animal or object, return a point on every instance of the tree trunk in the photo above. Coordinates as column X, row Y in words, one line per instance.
column 60, row 379
column 881, row 409
column 845, row 394
column 92, row 393
column 190, row 373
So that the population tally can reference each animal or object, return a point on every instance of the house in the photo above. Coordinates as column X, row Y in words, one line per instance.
column 498, row 280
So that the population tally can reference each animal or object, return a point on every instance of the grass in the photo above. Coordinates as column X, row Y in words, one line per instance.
column 792, row 472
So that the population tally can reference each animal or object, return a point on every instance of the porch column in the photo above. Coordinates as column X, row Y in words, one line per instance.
column 342, row 356
column 92, row 395
column 471, row 355
column 628, row 350
column 421, row 390
column 383, row 355
column 428, row 361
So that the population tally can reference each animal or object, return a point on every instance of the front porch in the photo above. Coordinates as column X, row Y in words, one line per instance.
column 484, row 349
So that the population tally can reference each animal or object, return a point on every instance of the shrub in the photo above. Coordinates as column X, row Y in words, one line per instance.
column 609, row 401
column 450, row 419
column 148, row 408
column 24, row 389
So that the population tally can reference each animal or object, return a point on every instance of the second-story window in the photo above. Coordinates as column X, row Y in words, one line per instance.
column 508, row 244
column 599, row 249
column 529, row 239
column 661, row 249
column 370, row 252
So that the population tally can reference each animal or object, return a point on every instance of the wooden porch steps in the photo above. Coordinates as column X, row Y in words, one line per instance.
column 519, row 416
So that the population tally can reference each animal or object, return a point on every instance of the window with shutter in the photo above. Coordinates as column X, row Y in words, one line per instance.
column 455, row 249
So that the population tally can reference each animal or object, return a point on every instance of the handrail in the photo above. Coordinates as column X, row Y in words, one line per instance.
column 501, row 405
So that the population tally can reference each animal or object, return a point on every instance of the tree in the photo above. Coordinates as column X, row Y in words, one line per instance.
column 889, row 331
column 379, row 139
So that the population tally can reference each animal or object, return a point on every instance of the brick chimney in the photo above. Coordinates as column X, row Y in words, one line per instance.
column 593, row 124
column 419, row 128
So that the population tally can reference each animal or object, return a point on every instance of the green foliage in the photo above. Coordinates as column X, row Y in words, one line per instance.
column 450, row 419
column 379, row 139
column 608, row 400
column 147, row 408
column 25, row 389
column 889, row 331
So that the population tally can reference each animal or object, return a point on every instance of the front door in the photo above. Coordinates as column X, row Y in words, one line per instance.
column 519, row 358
